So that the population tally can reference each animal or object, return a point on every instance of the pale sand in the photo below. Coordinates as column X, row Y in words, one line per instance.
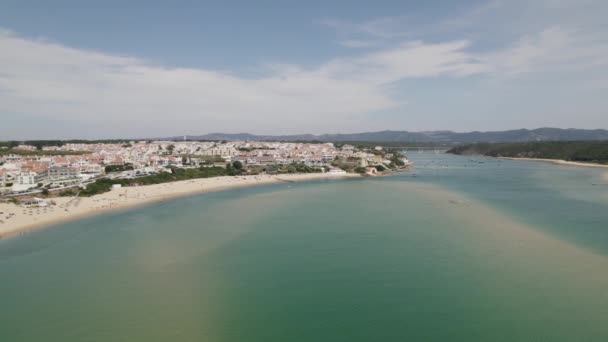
column 504, row 236
column 19, row 219
column 559, row 162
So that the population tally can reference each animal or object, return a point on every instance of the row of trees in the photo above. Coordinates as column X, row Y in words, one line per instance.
column 118, row 168
column 232, row 169
column 176, row 174
column 396, row 160
column 301, row 168
column 42, row 143
column 40, row 153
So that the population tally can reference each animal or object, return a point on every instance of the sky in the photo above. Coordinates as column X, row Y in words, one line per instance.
column 116, row 69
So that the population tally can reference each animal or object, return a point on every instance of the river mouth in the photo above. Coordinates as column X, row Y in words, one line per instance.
column 394, row 258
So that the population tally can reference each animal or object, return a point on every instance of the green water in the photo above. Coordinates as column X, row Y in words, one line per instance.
column 464, row 251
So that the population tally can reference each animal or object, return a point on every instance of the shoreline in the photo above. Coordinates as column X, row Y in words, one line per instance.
column 557, row 162
column 17, row 220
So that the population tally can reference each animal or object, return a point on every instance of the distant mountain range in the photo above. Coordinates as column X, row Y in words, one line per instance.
column 432, row 137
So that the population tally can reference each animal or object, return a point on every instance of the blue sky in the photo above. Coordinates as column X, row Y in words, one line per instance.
column 73, row 69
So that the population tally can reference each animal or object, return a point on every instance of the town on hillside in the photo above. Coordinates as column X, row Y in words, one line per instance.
column 68, row 169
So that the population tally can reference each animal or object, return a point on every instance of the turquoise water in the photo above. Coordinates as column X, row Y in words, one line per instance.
column 468, row 249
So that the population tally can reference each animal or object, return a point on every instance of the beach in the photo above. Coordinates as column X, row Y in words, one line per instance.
column 17, row 219
column 558, row 162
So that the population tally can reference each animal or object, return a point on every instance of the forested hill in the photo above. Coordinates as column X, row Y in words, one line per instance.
column 436, row 137
column 580, row 151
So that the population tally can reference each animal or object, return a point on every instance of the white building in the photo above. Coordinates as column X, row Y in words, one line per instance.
column 223, row 151
column 60, row 176
column 3, row 181
column 24, row 181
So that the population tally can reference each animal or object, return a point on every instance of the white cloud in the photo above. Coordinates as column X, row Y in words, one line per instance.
column 44, row 80
column 409, row 60
column 503, row 38
column 57, row 81
column 54, row 81
column 553, row 49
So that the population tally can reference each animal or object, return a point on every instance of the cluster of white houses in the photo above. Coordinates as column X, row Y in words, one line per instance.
column 76, row 164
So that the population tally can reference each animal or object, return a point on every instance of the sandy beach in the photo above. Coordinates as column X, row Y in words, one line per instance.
column 15, row 219
column 559, row 162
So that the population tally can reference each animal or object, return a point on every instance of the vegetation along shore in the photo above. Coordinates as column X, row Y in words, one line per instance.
column 577, row 153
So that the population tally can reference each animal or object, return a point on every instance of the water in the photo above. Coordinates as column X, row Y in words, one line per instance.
column 463, row 251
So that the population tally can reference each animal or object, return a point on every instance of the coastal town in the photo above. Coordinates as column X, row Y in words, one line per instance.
column 42, row 169
column 46, row 182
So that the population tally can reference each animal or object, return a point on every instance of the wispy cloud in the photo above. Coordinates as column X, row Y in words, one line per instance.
column 502, row 38
column 552, row 49
column 57, row 81
column 47, row 80
column 409, row 60
column 53, row 80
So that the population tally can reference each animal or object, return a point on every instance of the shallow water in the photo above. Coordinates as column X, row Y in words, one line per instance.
column 463, row 251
